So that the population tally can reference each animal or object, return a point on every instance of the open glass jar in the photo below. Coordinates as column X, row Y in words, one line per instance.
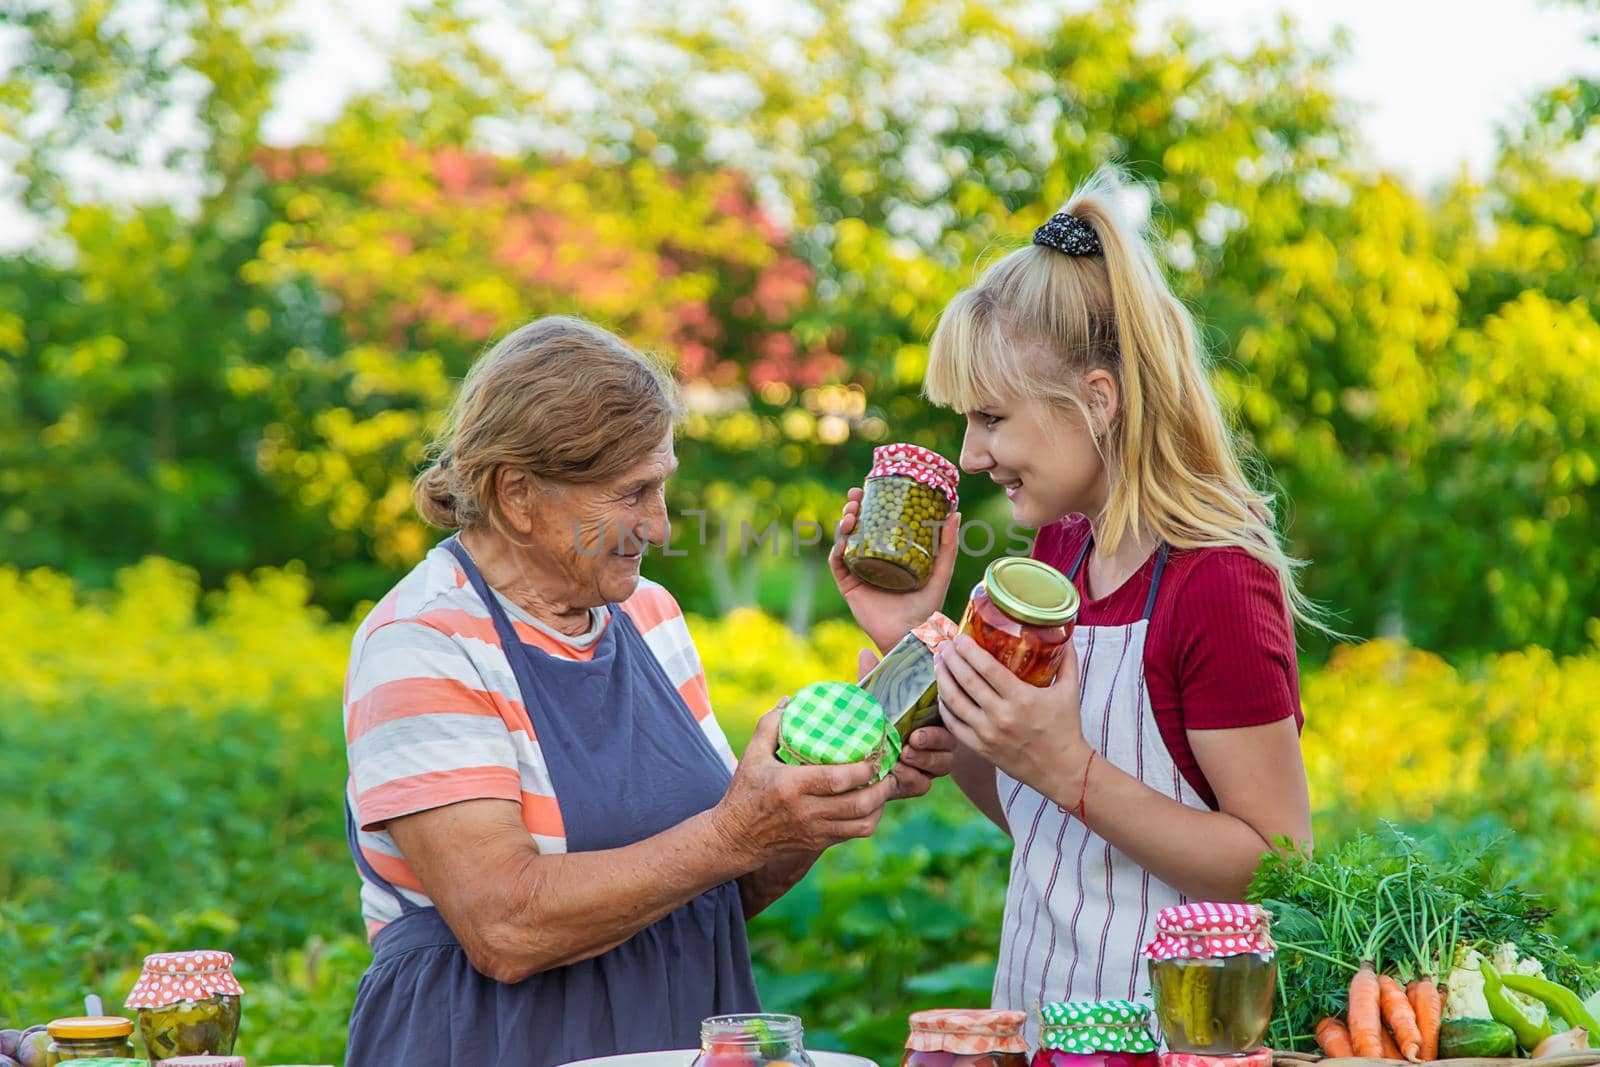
column 1214, row 976
column 88, row 1037
column 1102, row 1033
column 188, row 1004
column 966, row 1038
column 909, row 493
column 751, row 1041
column 1023, row 614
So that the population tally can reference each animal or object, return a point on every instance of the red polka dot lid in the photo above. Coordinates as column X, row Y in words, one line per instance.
column 1210, row 931
column 171, row 977
column 918, row 463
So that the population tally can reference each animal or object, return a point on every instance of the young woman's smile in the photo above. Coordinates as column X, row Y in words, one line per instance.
column 1043, row 457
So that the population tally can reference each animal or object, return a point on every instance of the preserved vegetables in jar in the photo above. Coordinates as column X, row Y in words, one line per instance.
column 904, row 682
column 89, row 1037
column 188, row 1004
column 909, row 493
column 1103, row 1033
column 966, row 1038
column 1023, row 614
column 831, row 723
column 751, row 1041
column 1260, row 1058
column 1214, row 976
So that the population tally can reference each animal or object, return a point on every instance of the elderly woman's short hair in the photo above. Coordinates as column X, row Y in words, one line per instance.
column 567, row 401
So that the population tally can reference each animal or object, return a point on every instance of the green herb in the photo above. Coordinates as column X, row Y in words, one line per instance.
column 1405, row 906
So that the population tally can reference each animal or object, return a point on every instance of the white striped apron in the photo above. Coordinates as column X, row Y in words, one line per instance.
column 1078, row 911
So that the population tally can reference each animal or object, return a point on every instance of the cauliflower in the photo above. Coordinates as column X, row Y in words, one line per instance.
column 1464, row 987
column 1506, row 961
column 1464, row 997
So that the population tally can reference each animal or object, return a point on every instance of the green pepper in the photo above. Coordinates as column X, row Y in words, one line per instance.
column 1505, row 1010
column 1559, row 999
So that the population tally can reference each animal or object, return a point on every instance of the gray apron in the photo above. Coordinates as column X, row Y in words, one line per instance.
column 628, row 761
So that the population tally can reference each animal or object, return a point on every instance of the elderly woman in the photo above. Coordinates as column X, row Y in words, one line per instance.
column 558, row 852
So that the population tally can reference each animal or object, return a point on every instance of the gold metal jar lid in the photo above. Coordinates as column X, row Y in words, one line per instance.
column 1031, row 591
column 90, row 1027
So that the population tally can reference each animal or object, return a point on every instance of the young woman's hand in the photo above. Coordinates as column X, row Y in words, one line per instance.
column 887, row 617
column 1032, row 733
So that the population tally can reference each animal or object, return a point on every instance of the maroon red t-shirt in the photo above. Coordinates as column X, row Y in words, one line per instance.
column 1219, row 652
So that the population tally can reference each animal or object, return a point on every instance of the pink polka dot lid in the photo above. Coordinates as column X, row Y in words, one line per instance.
column 1210, row 931
column 919, row 464
column 172, row 977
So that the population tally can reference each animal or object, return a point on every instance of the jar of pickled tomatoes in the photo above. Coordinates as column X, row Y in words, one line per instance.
column 1023, row 614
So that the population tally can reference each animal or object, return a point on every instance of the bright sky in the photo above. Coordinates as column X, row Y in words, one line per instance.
column 1431, row 78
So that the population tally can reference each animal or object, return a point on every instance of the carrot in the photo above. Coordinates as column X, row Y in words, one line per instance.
column 1366, row 1025
column 1391, row 1051
column 1428, row 1004
column 1333, row 1039
column 1397, row 1012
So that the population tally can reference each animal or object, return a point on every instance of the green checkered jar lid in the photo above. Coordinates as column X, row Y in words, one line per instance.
column 836, row 722
column 1089, row 1026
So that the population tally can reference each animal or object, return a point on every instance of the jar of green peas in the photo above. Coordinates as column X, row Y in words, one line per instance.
column 909, row 493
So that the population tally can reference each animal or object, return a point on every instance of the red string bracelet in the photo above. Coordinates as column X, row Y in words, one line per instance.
column 1083, row 794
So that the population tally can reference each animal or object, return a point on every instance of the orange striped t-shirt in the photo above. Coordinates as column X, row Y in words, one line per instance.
column 433, row 715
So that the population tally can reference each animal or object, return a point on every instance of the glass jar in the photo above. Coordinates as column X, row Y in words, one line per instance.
column 204, row 1061
column 1103, row 1033
column 832, row 723
column 1023, row 614
column 1260, row 1058
column 904, row 682
column 85, row 1037
column 752, row 1040
column 909, row 493
column 966, row 1038
column 1214, row 976
column 188, row 1004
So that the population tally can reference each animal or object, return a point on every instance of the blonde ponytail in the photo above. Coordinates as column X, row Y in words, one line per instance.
column 1173, row 465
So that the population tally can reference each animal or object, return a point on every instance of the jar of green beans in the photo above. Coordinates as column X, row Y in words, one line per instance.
column 909, row 493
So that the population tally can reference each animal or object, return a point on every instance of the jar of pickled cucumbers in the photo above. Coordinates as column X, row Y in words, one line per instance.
column 909, row 493
column 1214, row 976
column 1098, row 1033
column 87, row 1037
column 1023, row 614
column 965, row 1037
column 752, row 1041
column 188, row 1004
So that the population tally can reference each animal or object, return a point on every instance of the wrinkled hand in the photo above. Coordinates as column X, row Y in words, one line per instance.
column 928, row 753
column 887, row 617
column 1033, row 733
column 772, row 809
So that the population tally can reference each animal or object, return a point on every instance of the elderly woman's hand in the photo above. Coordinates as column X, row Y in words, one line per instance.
column 773, row 809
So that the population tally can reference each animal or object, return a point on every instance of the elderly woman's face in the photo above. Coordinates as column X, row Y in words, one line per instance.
column 593, row 537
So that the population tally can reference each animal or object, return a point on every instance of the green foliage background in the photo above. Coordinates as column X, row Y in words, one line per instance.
column 242, row 382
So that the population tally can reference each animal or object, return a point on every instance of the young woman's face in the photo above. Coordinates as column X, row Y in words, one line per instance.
column 1043, row 455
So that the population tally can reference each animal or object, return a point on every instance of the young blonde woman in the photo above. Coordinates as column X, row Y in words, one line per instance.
column 1165, row 759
